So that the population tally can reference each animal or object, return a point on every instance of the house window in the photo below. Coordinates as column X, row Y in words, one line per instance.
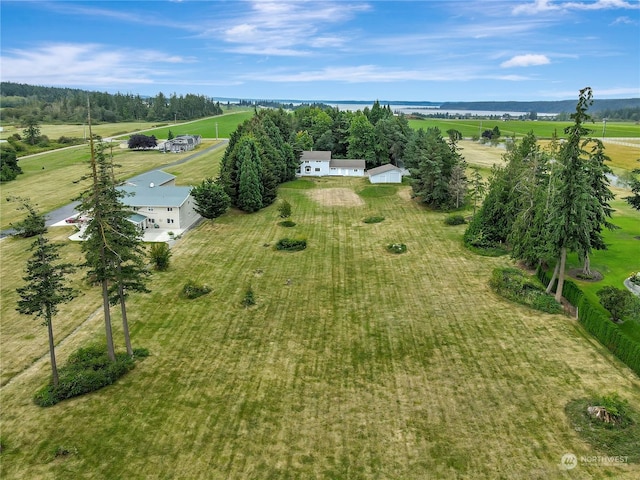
column 355, row 169
column 169, row 220
column 307, row 169
column 169, row 209
column 317, row 169
column 150, row 209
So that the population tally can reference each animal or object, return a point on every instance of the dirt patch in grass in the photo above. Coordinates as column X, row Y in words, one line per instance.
column 336, row 197
column 577, row 274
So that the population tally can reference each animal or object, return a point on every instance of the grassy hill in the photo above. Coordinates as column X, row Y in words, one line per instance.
column 354, row 363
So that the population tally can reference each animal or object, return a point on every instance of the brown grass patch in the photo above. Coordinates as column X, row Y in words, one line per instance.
column 336, row 197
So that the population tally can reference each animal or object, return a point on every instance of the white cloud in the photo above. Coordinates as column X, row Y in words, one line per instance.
column 624, row 21
column 379, row 74
column 85, row 64
column 528, row 60
column 542, row 6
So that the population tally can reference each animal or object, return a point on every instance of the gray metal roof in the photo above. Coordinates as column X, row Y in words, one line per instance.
column 317, row 155
column 347, row 164
column 382, row 169
column 145, row 196
column 157, row 177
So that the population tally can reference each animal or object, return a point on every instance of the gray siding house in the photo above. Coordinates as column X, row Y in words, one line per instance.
column 158, row 202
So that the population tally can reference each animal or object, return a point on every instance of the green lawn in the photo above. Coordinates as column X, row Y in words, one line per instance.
column 206, row 128
column 519, row 128
column 354, row 364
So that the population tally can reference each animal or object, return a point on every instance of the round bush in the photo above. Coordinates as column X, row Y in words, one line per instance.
column 396, row 248
column 287, row 223
column 455, row 220
column 291, row 245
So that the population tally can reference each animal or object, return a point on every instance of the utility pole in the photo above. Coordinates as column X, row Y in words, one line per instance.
column 216, row 130
column 604, row 127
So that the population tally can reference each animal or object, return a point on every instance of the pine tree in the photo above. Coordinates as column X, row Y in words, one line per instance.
column 112, row 244
column 572, row 206
column 249, row 188
column 45, row 288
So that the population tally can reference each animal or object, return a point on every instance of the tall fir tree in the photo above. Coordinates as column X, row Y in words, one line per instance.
column 45, row 288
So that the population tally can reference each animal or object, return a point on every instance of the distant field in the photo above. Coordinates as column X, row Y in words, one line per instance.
column 519, row 128
column 354, row 364
column 227, row 123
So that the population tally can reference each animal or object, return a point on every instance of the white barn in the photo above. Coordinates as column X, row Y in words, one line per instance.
column 319, row 164
column 386, row 174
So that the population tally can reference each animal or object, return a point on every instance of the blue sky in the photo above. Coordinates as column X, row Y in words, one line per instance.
column 443, row 50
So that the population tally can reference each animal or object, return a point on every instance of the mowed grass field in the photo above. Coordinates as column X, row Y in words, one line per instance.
column 354, row 364
column 519, row 128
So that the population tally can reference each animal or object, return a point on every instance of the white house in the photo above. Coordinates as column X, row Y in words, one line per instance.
column 386, row 174
column 158, row 202
column 319, row 163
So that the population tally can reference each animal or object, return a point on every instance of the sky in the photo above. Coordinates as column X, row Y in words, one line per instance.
column 429, row 50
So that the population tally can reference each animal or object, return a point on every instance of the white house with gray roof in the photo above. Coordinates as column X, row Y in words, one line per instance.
column 158, row 202
column 319, row 164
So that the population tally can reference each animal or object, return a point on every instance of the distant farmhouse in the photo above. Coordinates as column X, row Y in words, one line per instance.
column 181, row 143
column 158, row 202
column 319, row 163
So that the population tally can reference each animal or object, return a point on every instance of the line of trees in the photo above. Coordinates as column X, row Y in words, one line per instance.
column 545, row 204
column 66, row 105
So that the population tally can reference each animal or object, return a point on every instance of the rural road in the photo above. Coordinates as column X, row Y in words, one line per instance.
column 68, row 210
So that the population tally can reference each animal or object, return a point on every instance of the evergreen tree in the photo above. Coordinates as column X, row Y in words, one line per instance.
column 572, row 206
column 45, row 288
column 634, row 184
column 249, row 187
column 112, row 244
column 210, row 198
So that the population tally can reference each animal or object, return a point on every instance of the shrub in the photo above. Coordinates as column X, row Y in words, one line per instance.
column 193, row 290
column 396, row 248
column 635, row 278
column 249, row 298
column 291, row 245
column 515, row 285
column 160, row 255
column 616, row 301
column 287, row 223
column 284, row 209
column 87, row 370
column 373, row 219
column 454, row 220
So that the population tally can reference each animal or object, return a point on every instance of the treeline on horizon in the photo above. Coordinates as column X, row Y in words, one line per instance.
column 68, row 105
column 20, row 102
column 626, row 109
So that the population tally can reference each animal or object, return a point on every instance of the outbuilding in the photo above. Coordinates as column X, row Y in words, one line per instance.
column 386, row 174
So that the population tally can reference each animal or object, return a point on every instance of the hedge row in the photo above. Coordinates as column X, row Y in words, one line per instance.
column 598, row 325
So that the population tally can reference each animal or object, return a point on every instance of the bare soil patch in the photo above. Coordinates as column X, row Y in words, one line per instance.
column 336, row 197
column 577, row 274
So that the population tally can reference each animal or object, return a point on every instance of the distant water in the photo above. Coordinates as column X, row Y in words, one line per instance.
column 426, row 109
